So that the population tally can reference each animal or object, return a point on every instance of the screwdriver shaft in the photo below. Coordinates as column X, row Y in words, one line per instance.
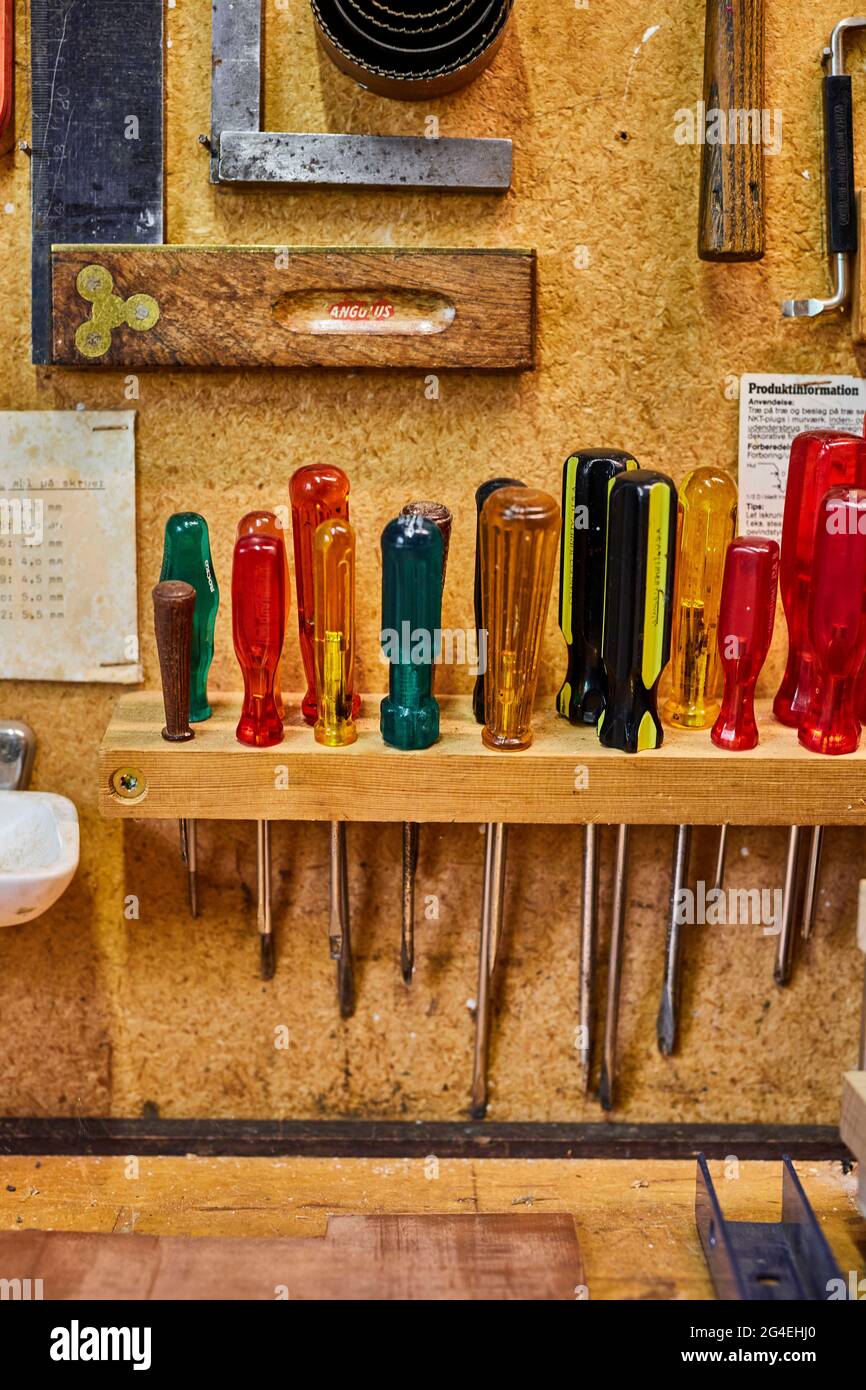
column 785, row 941
column 335, row 889
column 410, row 865
column 192, row 865
column 667, row 1023
column 721, row 859
column 588, row 946
column 607, row 1085
column 813, row 874
column 345, row 964
column 263, row 882
column 492, row 904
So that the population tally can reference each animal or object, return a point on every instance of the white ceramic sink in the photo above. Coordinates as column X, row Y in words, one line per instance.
column 38, row 853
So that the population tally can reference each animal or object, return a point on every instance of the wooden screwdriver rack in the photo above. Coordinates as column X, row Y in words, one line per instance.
column 565, row 777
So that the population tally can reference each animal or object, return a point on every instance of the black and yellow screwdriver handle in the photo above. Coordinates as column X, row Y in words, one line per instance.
column 638, row 602
column 586, row 479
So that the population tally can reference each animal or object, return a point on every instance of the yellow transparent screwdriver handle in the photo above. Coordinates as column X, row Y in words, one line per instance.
column 519, row 539
column 707, row 524
column 334, row 631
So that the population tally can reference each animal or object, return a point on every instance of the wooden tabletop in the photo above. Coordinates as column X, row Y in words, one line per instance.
column 634, row 1219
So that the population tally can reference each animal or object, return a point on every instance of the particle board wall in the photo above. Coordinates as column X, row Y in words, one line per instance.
column 102, row 1015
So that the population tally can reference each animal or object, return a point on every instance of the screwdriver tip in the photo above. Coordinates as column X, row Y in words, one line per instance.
column 268, row 960
column 407, row 969
column 478, row 1110
column 346, row 990
column 666, row 1028
column 605, row 1090
column 193, row 895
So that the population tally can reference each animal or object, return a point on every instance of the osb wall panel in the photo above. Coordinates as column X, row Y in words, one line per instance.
column 99, row 1015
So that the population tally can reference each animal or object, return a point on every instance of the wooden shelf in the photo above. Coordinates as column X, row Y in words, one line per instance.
column 565, row 777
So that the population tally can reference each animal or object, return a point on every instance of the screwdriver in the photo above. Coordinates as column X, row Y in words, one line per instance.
column 820, row 460
column 268, row 524
column 636, row 647
column 317, row 493
column 412, row 554
column 263, row 523
column 481, row 495
column 186, row 556
column 259, row 606
column 333, row 662
column 706, row 526
column 586, row 478
column 441, row 517
column 837, row 623
column 747, row 615
column 173, row 608
column 518, row 533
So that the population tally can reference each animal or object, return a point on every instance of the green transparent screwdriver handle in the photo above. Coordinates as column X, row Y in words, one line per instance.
column 411, row 621
column 186, row 555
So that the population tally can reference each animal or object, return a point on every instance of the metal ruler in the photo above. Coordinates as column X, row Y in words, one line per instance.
column 241, row 152
column 97, row 141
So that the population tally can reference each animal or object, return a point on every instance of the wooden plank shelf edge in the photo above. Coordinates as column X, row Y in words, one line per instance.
column 564, row 778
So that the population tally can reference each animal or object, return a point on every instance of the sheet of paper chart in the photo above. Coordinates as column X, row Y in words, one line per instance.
column 773, row 409
column 68, row 606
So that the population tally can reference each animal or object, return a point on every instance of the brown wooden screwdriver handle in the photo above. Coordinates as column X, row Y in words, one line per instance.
column 731, row 220
column 173, row 609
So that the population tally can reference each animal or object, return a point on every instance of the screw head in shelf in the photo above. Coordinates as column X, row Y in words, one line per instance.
column 128, row 783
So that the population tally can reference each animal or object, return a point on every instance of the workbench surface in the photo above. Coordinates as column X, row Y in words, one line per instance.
column 635, row 1219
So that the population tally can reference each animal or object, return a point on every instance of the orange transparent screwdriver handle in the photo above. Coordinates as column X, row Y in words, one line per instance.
column 268, row 524
column 519, row 538
column 317, row 493
column 706, row 525
column 334, row 632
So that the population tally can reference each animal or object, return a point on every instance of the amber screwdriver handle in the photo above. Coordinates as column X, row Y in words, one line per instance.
column 731, row 219
column 173, row 611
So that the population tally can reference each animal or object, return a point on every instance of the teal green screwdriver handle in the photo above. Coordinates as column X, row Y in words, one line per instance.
column 411, row 622
column 186, row 555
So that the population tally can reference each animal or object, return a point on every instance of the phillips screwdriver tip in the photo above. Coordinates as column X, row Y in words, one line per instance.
column 268, row 961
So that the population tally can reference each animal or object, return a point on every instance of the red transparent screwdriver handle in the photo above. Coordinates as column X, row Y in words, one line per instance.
column 258, row 624
column 837, row 623
column 268, row 524
column 317, row 493
column 746, row 617
column 820, row 460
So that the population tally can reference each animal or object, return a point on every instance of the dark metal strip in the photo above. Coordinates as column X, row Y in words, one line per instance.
column 372, row 1139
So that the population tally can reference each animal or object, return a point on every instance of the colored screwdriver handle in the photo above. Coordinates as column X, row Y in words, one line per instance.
column 519, row 535
column 173, row 609
column 837, row 623
column 586, row 479
column 317, row 493
column 186, row 556
column 747, row 614
column 481, row 495
column 639, row 587
column 268, row 524
column 334, row 632
column 412, row 554
column 820, row 460
column 258, row 624
column 441, row 517
column 707, row 523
